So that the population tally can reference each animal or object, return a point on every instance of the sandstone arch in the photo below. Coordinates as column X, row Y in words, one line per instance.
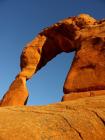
column 86, row 77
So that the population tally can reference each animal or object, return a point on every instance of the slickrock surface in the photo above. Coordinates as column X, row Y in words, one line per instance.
column 82, row 34
column 81, row 119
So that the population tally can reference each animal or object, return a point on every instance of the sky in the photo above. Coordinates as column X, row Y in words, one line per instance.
column 20, row 22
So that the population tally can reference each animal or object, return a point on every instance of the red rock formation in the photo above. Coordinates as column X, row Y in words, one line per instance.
column 17, row 93
column 82, row 119
column 82, row 34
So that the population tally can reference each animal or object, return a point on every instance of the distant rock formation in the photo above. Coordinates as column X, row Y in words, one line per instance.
column 82, row 34
column 82, row 119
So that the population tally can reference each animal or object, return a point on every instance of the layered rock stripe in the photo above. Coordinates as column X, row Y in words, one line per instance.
column 82, row 34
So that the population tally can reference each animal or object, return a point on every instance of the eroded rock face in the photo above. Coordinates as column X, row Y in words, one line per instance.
column 82, row 119
column 82, row 34
column 17, row 93
column 88, row 69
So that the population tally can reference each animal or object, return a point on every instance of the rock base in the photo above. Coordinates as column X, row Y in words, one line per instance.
column 82, row 119
column 77, row 95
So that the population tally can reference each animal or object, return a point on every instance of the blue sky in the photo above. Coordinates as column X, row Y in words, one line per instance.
column 20, row 21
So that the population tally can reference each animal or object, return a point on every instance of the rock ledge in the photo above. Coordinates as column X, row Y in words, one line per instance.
column 81, row 119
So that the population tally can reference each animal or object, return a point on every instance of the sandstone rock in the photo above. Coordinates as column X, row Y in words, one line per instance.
column 17, row 93
column 82, row 119
column 77, row 95
column 82, row 34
